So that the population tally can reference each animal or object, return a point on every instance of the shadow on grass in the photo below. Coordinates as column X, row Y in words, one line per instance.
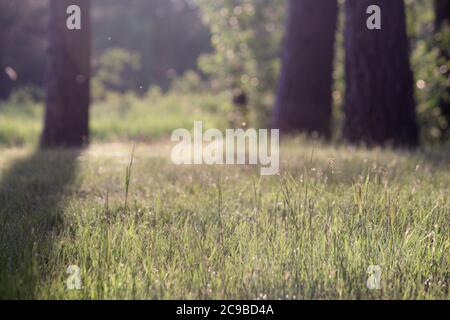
column 32, row 200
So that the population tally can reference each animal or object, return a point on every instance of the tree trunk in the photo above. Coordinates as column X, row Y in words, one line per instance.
column 67, row 78
column 8, row 14
column 304, row 101
column 442, row 9
column 5, row 86
column 442, row 13
column 5, row 81
column 379, row 103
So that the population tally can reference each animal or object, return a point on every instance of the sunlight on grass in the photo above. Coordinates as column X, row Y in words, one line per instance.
column 122, row 117
column 224, row 232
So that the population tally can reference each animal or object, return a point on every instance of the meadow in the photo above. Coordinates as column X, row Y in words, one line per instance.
column 118, row 117
column 140, row 227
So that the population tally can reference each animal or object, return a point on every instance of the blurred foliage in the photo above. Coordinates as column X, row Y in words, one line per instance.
column 114, row 72
column 246, row 37
column 430, row 69
column 23, row 42
column 189, row 82
column 168, row 35
column 140, row 44
column 26, row 95
column 119, row 116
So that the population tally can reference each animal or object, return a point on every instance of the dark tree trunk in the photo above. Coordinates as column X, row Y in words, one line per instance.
column 442, row 13
column 160, row 13
column 67, row 78
column 304, row 101
column 379, row 104
column 6, row 83
column 8, row 14
column 442, row 8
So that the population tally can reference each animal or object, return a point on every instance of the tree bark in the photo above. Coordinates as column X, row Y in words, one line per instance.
column 379, row 103
column 304, row 101
column 67, row 78
column 442, row 10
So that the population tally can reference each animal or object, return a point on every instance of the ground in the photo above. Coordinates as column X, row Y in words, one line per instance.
column 195, row 232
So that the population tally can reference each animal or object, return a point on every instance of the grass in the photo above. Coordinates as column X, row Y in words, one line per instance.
column 147, row 229
column 120, row 117
column 140, row 227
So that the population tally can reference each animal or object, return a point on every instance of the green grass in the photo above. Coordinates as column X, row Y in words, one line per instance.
column 223, row 232
column 120, row 117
